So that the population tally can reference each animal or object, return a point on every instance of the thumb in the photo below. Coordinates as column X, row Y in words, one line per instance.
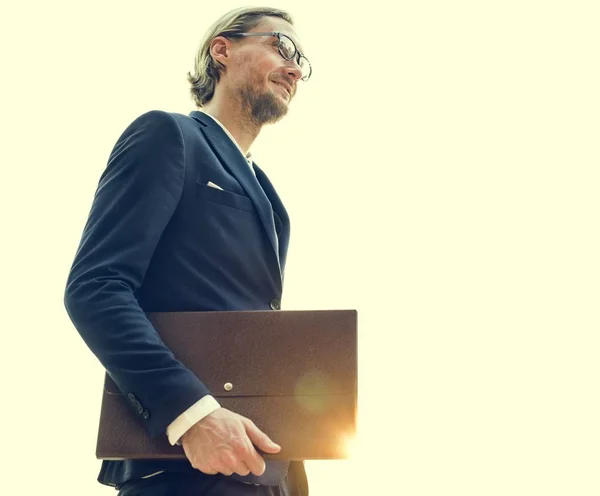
column 259, row 438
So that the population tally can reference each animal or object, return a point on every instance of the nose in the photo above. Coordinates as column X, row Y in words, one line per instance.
column 294, row 70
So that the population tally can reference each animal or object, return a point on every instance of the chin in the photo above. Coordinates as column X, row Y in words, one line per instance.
column 265, row 107
column 278, row 106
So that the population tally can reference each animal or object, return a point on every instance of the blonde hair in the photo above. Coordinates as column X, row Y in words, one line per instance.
column 207, row 70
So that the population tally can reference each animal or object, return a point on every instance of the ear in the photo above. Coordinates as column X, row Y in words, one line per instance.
column 220, row 49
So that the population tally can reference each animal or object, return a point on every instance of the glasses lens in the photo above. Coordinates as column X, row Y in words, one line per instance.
column 288, row 51
column 287, row 47
column 305, row 66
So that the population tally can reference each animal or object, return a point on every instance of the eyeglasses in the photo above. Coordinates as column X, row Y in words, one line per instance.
column 287, row 49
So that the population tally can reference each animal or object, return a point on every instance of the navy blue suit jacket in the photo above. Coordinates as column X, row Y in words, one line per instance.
column 158, row 239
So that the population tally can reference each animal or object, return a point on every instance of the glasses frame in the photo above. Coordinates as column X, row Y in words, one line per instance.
column 296, row 55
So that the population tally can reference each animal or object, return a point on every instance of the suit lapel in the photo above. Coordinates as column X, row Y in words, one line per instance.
column 236, row 164
column 280, row 211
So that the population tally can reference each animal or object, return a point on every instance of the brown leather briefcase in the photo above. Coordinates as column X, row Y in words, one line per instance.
column 293, row 373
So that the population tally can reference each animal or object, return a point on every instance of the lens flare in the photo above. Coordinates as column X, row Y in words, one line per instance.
column 350, row 446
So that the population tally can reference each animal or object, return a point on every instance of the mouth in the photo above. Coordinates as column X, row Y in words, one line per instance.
column 287, row 89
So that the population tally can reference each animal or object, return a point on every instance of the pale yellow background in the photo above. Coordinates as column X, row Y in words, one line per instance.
column 441, row 173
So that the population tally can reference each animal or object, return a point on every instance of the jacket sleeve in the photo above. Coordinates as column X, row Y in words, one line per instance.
column 136, row 196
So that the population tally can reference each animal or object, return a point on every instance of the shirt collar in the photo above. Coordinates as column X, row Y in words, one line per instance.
column 248, row 156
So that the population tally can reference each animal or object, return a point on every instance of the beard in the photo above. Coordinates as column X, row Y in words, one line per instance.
column 262, row 107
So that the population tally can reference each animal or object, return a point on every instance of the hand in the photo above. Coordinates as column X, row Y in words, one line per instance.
column 222, row 442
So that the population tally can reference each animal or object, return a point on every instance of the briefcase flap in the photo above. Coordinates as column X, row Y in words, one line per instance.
column 241, row 357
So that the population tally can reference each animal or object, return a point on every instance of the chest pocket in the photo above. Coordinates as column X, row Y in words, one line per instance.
column 224, row 198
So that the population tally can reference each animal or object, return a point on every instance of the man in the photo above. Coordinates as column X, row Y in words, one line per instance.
column 183, row 220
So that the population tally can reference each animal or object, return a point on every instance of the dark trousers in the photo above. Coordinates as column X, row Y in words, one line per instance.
column 179, row 484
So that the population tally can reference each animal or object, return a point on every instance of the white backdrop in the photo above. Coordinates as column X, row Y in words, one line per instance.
column 441, row 173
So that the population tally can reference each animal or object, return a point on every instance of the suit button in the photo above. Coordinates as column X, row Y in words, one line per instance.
column 131, row 396
column 275, row 304
column 145, row 415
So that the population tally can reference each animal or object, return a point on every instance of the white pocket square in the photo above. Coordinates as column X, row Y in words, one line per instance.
column 213, row 185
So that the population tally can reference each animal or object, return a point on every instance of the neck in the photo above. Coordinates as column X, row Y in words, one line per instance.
column 228, row 110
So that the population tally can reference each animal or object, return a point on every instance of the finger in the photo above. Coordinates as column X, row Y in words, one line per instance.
column 232, row 462
column 208, row 471
column 214, row 465
column 202, row 466
column 259, row 438
column 235, row 460
column 255, row 462
column 252, row 459
column 242, row 469
column 223, row 469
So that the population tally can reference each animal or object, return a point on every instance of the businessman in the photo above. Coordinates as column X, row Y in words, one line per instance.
column 184, row 220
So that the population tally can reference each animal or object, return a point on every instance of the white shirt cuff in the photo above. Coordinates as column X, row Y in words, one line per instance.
column 203, row 407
